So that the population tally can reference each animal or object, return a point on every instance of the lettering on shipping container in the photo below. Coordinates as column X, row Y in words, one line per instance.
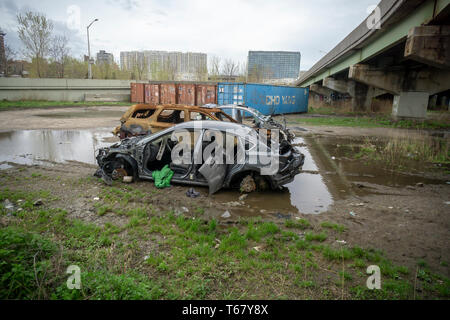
column 275, row 100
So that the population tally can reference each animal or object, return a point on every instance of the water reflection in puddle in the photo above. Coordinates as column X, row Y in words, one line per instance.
column 307, row 194
column 38, row 146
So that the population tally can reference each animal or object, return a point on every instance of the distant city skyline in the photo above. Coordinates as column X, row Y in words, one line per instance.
column 195, row 26
column 180, row 65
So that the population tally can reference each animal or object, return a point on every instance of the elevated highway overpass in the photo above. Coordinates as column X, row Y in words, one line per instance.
column 401, row 51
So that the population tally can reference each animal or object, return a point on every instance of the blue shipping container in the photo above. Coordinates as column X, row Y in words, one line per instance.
column 267, row 99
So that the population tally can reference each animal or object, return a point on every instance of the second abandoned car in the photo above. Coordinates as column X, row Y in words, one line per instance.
column 140, row 156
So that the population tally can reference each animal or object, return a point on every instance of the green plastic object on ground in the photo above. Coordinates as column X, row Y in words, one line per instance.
column 162, row 178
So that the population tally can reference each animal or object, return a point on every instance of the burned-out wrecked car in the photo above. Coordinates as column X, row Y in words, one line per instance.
column 243, row 165
column 240, row 112
column 143, row 119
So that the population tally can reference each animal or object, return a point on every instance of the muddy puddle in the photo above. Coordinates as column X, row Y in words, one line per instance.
column 328, row 175
column 46, row 146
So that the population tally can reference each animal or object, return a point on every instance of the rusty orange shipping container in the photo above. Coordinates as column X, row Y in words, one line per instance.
column 137, row 92
column 167, row 93
column 152, row 94
column 186, row 94
column 206, row 94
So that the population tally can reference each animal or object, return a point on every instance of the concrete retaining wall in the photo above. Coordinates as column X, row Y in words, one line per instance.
column 65, row 89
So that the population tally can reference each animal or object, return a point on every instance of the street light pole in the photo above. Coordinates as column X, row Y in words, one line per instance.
column 89, row 51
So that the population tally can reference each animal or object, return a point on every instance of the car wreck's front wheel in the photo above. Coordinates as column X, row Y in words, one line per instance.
column 118, row 167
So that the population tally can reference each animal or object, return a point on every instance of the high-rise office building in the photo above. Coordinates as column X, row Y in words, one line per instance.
column 272, row 65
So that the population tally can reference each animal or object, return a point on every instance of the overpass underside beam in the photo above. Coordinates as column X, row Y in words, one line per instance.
column 360, row 93
column 317, row 88
column 410, row 87
column 429, row 45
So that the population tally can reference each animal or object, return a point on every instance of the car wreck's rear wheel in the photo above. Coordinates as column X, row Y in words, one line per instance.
column 251, row 182
column 247, row 184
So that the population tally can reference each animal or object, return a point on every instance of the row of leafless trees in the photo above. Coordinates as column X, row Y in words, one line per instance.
column 51, row 52
column 226, row 67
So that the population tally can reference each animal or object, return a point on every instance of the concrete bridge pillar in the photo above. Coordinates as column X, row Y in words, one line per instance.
column 410, row 105
column 426, row 81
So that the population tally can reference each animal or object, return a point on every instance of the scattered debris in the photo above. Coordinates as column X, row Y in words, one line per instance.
column 128, row 179
column 420, row 185
column 333, row 158
column 257, row 248
column 391, row 207
column 226, row 215
column 38, row 203
column 185, row 209
column 163, row 177
column 191, row 193
column 243, row 197
column 341, row 241
column 358, row 204
column 233, row 204
column 283, row 216
column 96, row 198
column 9, row 207
column 217, row 243
column 352, row 214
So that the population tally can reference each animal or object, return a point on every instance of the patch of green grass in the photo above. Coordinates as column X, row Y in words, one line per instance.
column 25, row 260
column 199, row 210
column 322, row 236
column 257, row 231
column 6, row 105
column 372, row 122
column 103, row 210
column 104, row 285
column 159, row 255
column 337, row 227
column 298, row 224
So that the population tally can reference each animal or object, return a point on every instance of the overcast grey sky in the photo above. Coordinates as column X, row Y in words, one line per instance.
column 226, row 28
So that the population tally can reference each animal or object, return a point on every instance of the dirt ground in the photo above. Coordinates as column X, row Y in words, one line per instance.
column 408, row 222
column 61, row 118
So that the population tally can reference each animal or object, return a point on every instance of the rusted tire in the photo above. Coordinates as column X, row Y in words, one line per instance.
column 248, row 184
column 119, row 173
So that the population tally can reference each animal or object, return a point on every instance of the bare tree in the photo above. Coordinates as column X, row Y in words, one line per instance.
column 214, row 66
column 10, row 54
column 59, row 51
column 230, row 68
column 170, row 70
column 35, row 33
column 141, row 68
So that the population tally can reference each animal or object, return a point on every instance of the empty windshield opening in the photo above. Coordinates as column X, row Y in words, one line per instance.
column 143, row 114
